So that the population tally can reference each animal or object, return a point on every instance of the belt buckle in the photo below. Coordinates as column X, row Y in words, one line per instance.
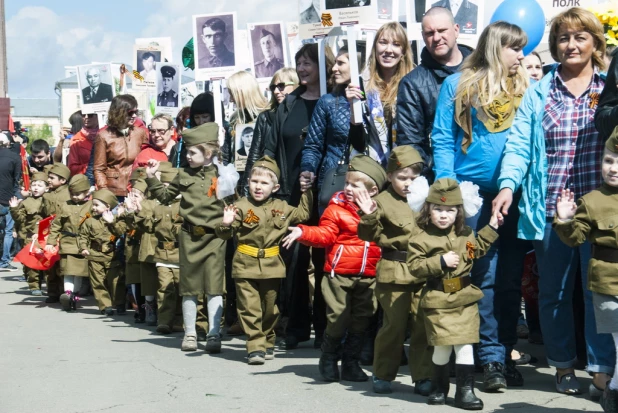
column 261, row 253
column 200, row 231
column 452, row 285
column 168, row 245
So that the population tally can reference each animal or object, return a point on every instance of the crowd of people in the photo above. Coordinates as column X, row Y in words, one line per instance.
column 414, row 221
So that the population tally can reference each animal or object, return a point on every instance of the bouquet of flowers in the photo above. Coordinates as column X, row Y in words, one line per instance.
column 607, row 13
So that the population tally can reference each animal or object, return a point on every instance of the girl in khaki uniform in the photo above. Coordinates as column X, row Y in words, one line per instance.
column 443, row 253
column 202, row 253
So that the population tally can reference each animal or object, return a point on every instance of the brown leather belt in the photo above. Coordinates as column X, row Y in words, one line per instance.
column 395, row 255
column 198, row 230
column 167, row 245
column 103, row 247
column 449, row 285
column 606, row 254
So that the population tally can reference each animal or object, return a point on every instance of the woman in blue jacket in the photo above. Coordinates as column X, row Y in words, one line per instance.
column 475, row 110
column 553, row 144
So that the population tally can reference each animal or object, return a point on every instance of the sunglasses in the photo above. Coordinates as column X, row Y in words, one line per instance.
column 158, row 131
column 89, row 115
column 280, row 86
column 132, row 112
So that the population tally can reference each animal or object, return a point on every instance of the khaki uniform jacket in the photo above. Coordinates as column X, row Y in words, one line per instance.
column 27, row 216
column 269, row 225
column 595, row 220
column 164, row 222
column 148, row 242
column 55, row 199
column 196, row 206
column 66, row 225
column 133, row 239
column 450, row 318
column 96, row 229
column 390, row 226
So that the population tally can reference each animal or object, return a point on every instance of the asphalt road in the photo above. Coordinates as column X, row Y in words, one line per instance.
column 52, row 361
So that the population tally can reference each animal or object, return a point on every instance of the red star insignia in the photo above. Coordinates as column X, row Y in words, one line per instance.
column 443, row 199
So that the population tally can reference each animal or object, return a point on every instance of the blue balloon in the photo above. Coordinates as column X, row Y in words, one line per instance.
column 526, row 14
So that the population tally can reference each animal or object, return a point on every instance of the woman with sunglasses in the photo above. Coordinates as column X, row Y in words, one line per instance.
column 284, row 81
column 117, row 146
column 160, row 143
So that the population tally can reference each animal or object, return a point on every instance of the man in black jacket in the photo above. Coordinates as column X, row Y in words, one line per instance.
column 10, row 175
column 418, row 91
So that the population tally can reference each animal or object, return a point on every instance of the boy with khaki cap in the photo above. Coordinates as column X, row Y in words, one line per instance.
column 97, row 242
column 163, row 221
column 65, row 228
column 388, row 221
column 27, row 214
column 259, row 223
column 350, row 269
column 58, row 193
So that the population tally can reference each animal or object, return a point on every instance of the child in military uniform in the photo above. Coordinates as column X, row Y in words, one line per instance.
column 27, row 214
column 259, row 223
column 443, row 254
column 164, row 222
column 202, row 253
column 97, row 242
column 351, row 267
column 65, row 228
column 595, row 219
column 388, row 221
column 58, row 193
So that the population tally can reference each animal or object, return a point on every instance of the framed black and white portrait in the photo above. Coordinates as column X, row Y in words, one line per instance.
column 268, row 51
column 243, row 139
column 214, row 44
column 168, row 89
column 96, row 84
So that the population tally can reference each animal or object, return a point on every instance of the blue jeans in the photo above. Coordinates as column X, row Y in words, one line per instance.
column 498, row 275
column 8, row 236
column 557, row 265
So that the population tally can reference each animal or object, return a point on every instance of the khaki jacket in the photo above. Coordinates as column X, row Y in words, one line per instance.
column 27, row 216
column 54, row 200
column 199, row 204
column 113, row 158
column 595, row 220
column 66, row 225
column 390, row 226
column 96, row 230
column 133, row 239
column 263, row 225
column 164, row 222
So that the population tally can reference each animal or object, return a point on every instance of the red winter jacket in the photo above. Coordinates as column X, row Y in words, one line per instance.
column 337, row 232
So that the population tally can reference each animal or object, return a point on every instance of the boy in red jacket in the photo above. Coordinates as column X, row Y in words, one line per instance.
column 350, row 267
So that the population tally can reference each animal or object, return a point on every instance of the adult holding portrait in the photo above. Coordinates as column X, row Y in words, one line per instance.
column 285, row 145
column 82, row 144
column 476, row 108
column 554, row 145
column 389, row 62
column 214, row 34
column 281, row 85
column 117, row 146
column 96, row 92
column 271, row 63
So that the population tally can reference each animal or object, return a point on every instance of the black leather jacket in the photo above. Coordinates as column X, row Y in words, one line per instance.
column 606, row 116
column 274, row 147
column 417, row 98
column 263, row 128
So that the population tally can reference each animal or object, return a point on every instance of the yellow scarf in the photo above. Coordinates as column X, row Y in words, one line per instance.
column 497, row 116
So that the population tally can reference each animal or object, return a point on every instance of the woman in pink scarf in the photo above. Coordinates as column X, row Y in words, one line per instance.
column 160, row 143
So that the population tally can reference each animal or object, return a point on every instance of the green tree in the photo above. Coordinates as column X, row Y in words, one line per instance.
column 39, row 132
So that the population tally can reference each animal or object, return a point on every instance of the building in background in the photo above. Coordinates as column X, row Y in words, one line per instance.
column 40, row 116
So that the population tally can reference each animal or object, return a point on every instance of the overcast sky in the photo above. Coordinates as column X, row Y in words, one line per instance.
column 43, row 36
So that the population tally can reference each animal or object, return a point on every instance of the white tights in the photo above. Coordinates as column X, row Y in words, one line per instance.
column 72, row 283
column 463, row 353
column 613, row 384
column 215, row 312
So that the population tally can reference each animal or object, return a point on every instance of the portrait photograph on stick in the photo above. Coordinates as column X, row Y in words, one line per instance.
column 267, row 49
column 168, row 86
column 467, row 13
column 244, row 137
column 146, row 61
column 95, row 82
column 213, row 39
